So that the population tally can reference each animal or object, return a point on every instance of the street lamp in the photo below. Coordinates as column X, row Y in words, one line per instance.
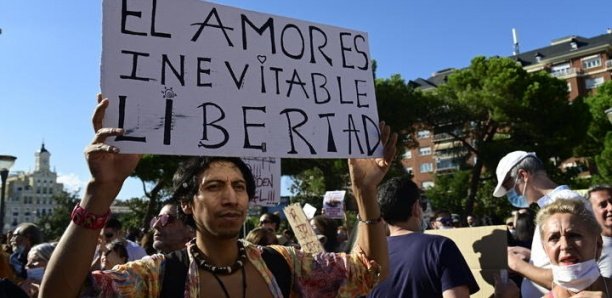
column 6, row 162
column 609, row 114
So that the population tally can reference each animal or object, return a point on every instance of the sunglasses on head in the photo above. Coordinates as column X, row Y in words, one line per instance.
column 162, row 219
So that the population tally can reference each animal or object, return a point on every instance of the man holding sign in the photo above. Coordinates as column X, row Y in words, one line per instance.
column 215, row 192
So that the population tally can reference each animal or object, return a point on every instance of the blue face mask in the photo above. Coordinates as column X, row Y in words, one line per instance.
column 36, row 274
column 517, row 200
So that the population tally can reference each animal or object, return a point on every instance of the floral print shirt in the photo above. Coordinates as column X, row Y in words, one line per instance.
column 314, row 275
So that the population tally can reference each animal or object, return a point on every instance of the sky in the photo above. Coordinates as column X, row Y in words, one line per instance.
column 50, row 56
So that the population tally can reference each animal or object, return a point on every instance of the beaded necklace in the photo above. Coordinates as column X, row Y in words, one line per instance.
column 202, row 261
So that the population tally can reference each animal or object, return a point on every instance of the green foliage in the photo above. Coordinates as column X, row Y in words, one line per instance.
column 486, row 205
column 449, row 191
column 600, row 125
column 156, row 171
column 399, row 105
column 309, row 187
column 598, row 144
column 494, row 106
column 138, row 209
column 604, row 161
column 53, row 225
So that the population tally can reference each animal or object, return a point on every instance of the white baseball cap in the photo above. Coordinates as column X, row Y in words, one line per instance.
column 504, row 166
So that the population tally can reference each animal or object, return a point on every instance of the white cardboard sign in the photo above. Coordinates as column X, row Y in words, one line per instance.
column 266, row 172
column 333, row 204
column 302, row 229
column 198, row 78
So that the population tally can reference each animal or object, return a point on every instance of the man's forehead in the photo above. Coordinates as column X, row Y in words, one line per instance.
column 220, row 169
column 601, row 195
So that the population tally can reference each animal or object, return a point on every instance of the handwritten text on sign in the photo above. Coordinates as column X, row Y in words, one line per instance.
column 266, row 172
column 198, row 78
column 302, row 229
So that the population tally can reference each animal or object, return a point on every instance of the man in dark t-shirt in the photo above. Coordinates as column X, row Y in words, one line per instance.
column 421, row 265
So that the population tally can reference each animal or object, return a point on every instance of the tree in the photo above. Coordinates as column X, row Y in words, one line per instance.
column 599, row 141
column 54, row 224
column 309, row 187
column 133, row 219
column 494, row 106
column 604, row 161
column 156, row 171
column 449, row 191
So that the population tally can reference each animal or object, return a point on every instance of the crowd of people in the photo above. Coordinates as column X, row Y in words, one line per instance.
column 195, row 248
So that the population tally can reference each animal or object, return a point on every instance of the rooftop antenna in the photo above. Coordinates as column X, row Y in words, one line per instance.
column 516, row 43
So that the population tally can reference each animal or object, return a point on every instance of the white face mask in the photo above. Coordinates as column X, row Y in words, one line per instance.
column 576, row 277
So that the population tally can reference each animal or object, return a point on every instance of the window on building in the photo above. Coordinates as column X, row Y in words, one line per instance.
column 425, row 151
column 427, row 184
column 574, row 45
column 560, row 69
column 426, row 167
column 569, row 87
column 592, row 83
column 407, row 154
column 422, row 134
column 591, row 61
column 408, row 170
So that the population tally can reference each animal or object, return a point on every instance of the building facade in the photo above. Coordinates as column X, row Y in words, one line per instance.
column 30, row 195
column 584, row 63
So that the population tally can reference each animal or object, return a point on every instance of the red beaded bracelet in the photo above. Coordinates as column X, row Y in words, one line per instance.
column 86, row 219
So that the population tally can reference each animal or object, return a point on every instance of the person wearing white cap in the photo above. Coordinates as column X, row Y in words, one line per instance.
column 521, row 177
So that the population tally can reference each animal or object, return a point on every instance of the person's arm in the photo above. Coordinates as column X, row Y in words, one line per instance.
column 517, row 257
column 505, row 288
column 71, row 259
column 457, row 292
column 366, row 174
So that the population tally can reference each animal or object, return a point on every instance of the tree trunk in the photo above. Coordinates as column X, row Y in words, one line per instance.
column 474, row 184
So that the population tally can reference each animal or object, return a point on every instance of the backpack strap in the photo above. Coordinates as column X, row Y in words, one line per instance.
column 175, row 274
column 279, row 268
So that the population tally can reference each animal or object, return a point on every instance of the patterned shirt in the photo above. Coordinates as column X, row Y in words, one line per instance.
column 314, row 275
